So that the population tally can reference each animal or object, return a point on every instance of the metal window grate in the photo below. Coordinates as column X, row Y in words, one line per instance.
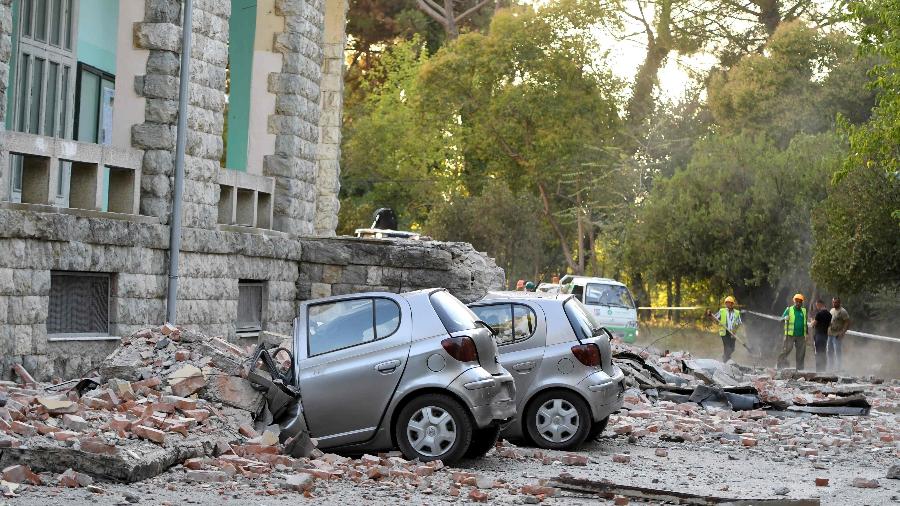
column 79, row 303
column 250, row 303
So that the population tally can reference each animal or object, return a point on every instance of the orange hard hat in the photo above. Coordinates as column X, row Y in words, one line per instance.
column 799, row 296
column 730, row 299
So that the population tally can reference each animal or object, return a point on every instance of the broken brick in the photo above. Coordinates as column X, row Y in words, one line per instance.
column 188, row 386
column 144, row 432
column 478, row 496
column 75, row 423
column 206, row 476
column 821, row 482
column 539, row 490
column 621, row 458
column 20, row 474
column 72, row 479
column 23, row 429
column 865, row 483
column 96, row 445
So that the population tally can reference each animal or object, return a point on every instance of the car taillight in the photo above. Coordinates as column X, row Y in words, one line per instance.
column 587, row 354
column 461, row 348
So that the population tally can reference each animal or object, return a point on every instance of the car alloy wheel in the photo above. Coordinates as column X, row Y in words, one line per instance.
column 557, row 420
column 431, row 431
column 433, row 426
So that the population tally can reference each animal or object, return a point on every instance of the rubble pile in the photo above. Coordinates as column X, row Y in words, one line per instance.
column 681, row 399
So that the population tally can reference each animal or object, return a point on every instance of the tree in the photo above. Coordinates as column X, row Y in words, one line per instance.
column 392, row 155
column 800, row 83
column 857, row 234
column 533, row 108
column 738, row 215
column 448, row 15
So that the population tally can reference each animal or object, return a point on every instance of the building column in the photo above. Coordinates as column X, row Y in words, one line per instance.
column 160, row 34
column 5, row 57
column 328, row 181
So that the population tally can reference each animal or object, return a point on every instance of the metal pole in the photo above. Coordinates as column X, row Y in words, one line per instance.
column 180, row 141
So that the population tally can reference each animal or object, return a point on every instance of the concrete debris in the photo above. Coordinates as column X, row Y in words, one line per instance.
column 147, row 411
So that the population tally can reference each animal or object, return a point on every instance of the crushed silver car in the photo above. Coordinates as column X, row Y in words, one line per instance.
column 561, row 359
column 414, row 370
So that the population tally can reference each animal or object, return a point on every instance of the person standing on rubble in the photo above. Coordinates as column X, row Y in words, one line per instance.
column 821, row 322
column 729, row 322
column 840, row 324
column 795, row 331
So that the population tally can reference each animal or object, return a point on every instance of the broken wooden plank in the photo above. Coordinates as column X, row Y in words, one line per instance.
column 608, row 490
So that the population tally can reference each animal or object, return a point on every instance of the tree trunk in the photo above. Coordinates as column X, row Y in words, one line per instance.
column 677, row 298
column 452, row 29
column 769, row 14
column 567, row 252
column 669, row 299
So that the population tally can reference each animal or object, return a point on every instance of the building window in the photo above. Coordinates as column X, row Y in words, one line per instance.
column 251, row 295
column 79, row 304
column 95, row 90
column 45, row 62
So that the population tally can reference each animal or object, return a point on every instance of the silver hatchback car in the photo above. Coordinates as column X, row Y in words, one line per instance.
column 413, row 370
column 566, row 382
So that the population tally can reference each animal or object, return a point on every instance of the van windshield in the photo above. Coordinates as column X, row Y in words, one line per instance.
column 597, row 294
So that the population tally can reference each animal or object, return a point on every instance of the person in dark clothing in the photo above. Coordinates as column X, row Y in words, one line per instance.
column 821, row 322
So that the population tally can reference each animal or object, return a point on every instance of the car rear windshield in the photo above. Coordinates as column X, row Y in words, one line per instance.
column 453, row 314
column 583, row 322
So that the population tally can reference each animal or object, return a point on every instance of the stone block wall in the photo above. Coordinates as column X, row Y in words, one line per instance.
column 296, row 119
column 134, row 252
column 160, row 34
column 5, row 57
column 328, row 179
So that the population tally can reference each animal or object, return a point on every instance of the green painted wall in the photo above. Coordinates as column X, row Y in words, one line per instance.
column 98, row 23
column 241, row 31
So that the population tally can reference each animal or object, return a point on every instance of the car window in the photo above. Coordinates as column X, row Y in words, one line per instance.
column 583, row 323
column 336, row 325
column 498, row 316
column 453, row 314
column 597, row 294
column 387, row 317
column 524, row 322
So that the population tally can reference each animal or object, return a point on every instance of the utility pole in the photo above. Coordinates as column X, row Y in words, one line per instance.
column 184, row 75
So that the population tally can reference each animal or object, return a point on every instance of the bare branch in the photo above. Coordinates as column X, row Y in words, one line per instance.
column 470, row 11
column 426, row 6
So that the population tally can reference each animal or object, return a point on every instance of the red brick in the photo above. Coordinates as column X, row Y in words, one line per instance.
column 247, row 431
column 20, row 474
column 821, row 482
column 478, row 496
column 575, row 460
column 96, row 403
column 22, row 428
column 65, row 435
column 197, row 414
column 182, row 355
column 120, row 422
column 188, row 386
column 748, row 441
column 621, row 500
column 97, row 445
column 621, row 458
column 539, row 490
column 144, row 432
column 73, row 479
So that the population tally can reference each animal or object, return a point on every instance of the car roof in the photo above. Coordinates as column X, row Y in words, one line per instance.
column 507, row 295
column 590, row 279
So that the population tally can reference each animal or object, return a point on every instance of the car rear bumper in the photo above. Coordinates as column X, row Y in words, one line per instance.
column 490, row 398
column 604, row 392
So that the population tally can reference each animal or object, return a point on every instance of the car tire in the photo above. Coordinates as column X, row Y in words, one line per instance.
column 570, row 412
column 434, row 427
column 597, row 428
column 482, row 441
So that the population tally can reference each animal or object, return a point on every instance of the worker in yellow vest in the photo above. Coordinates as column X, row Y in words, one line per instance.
column 729, row 320
column 795, row 332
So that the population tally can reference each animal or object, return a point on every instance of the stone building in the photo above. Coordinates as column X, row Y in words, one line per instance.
column 88, row 108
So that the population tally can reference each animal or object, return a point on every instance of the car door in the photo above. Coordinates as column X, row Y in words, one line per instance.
column 521, row 338
column 351, row 355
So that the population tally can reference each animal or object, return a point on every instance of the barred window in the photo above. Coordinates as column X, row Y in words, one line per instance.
column 79, row 303
column 250, row 305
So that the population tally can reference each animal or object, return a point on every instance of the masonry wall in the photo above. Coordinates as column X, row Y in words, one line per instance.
column 5, row 56
column 32, row 244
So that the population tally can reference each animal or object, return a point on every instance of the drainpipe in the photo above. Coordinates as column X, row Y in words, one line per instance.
column 184, row 76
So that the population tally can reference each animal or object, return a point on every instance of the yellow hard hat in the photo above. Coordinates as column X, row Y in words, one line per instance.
column 799, row 296
column 730, row 299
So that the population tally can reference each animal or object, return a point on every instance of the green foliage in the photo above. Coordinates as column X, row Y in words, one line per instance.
column 392, row 154
column 509, row 226
column 739, row 213
column 800, row 82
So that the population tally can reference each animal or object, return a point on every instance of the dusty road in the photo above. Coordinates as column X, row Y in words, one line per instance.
column 766, row 471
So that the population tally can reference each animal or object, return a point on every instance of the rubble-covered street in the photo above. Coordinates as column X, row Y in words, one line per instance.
column 172, row 419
